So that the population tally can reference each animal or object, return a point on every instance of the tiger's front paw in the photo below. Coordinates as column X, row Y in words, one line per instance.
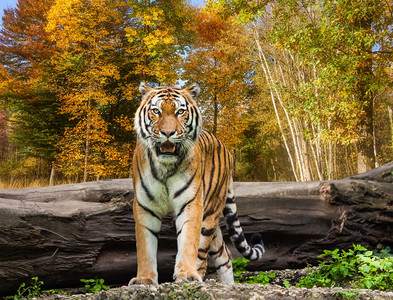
column 142, row 280
column 188, row 276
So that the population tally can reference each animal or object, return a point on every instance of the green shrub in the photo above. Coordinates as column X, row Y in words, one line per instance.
column 349, row 295
column 357, row 268
column 34, row 290
column 239, row 270
column 28, row 292
column 94, row 285
column 239, row 265
column 260, row 278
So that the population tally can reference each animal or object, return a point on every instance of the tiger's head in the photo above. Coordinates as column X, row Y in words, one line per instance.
column 168, row 121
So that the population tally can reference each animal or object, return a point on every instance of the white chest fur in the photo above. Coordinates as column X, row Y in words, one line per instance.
column 166, row 195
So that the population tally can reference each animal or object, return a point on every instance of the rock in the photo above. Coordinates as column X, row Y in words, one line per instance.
column 212, row 290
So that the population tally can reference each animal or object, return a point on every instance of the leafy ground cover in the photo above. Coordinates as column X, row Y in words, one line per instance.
column 357, row 268
column 34, row 290
column 242, row 276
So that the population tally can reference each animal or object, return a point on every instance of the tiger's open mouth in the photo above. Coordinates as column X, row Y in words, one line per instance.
column 167, row 148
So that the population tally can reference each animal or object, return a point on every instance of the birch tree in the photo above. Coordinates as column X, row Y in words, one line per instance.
column 323, row 75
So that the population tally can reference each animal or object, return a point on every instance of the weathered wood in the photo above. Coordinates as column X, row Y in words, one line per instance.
column 68, row 232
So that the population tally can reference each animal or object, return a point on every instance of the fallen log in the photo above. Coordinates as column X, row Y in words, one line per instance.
column 64, row 233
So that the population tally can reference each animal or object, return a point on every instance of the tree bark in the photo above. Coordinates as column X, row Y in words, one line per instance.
column 64, row 233
column 52, row 176
column 87, row 145
column 365, row 95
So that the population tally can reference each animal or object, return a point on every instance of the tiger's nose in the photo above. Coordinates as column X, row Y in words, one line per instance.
column 168, row 133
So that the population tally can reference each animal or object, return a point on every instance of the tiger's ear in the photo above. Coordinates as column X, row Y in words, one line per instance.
column 194, row 89
column 144, row 88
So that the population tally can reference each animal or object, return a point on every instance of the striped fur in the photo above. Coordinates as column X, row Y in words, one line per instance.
column 180, row 168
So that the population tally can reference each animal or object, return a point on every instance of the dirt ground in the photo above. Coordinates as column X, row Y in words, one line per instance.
column 210, row 289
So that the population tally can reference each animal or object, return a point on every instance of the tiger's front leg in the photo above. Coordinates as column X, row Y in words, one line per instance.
column 188, row 228
column 147, row 227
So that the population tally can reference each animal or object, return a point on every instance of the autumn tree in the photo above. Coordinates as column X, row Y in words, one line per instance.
column 25, row 52
column 160, row 32
column 220, row 62
column 86, row 34
column 105, row 49
column 3, row 134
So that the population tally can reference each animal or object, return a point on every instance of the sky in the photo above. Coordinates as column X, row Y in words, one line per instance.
column 194, row 2
column 12, row 3
column 6, row 4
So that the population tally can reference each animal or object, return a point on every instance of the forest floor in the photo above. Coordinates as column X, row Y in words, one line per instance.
column 210, row 289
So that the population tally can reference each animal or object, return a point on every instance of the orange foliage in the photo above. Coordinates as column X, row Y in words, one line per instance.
column 24, row 47
column 210, row 27
column 219, row 62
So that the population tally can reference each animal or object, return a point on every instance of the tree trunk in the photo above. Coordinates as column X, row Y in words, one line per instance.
column 52, row 176
column 390, row 114
column 87, row 147
column 215, row 115
column 68, row 232
column 366, row 158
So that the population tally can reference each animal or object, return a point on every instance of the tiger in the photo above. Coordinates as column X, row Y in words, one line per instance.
column 182, row 169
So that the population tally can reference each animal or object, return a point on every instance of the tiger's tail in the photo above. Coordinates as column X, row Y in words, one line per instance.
column 257, row 248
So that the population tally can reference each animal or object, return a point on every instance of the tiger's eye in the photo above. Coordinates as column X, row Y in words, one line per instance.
column 156, row 111
column 180, row 112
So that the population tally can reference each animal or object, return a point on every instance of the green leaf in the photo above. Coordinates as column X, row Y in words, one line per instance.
column 368, row 284
column 368, row 253
column 365, row 268
column 286, row 283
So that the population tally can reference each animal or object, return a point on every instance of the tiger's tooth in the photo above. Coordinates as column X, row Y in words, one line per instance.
column 173, row 149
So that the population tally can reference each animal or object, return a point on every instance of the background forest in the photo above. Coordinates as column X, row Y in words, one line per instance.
column 298, row 90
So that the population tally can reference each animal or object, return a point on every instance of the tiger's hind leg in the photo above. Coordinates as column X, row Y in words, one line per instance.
column 208, row 235
column 221, row 258
column 211, row 236
column 203, row 250
column 219, row 254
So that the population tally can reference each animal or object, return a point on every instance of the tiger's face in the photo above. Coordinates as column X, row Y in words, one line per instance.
column 168, row 120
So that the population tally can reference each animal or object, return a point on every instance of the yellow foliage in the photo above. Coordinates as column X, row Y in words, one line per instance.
column 154, row 39
column 231, row 124
column 106, row 158
column 126, row 122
